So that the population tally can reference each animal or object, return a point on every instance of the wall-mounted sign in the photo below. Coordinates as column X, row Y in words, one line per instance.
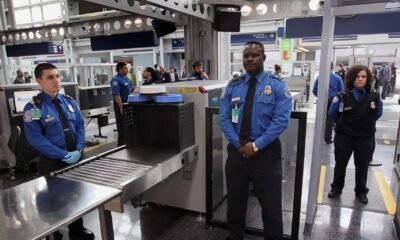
column 264, row 37
column 178, row 43
column 286, row 49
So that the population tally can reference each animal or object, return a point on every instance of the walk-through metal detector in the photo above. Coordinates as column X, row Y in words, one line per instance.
column 293, row 151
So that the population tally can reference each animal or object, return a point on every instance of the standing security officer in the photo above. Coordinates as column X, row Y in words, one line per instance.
column 121, row 86
column 335, row 86
column 355, row 111
column 255, row 110
column 54, row 126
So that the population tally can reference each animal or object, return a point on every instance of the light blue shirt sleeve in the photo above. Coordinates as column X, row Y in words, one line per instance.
column 340, row 83
column 33, row 133
column 226, row 118
column 280, row 119
column 379, row 109
column 315, row 87
column 115, row 88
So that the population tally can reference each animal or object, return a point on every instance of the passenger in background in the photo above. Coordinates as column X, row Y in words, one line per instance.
column 28, row 78
column 54, row 126
column 355, row 112
column 393, row 78
column 174, row 77
column 121, row 86
column 165, row 77
column 198, row 73
column 20, row 77
column 184, row 72
column 255, row 110
column 375, row 80
column 148, row 74
column 335, row 86
column 341, row 71
column 385, row 81
column 278, row 71
column 157, row 75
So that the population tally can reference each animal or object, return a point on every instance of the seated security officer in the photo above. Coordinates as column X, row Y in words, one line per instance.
column 54, row 126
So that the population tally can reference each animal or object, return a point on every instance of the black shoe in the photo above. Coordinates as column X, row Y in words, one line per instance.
column 362, row 197
column 334, row 193
column 84, row 234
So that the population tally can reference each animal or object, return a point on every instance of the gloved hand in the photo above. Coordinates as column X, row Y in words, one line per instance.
column 72, row 157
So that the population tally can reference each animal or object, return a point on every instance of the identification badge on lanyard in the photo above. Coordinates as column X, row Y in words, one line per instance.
column 35, row 113
column 235, row 114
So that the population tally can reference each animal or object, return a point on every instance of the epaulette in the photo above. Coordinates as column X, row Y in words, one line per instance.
column 69, row 97
column 342, row 94
column 235, row 81
column 277, row 77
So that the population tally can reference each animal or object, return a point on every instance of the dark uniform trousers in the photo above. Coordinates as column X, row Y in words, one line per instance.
column 329, row 123
column 363, row 151
column 119, row 118
column 265, row 172
column 47, row 165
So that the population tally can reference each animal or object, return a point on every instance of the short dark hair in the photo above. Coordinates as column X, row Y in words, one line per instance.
column 196, row 63
column 155, row 65
column 256, row 43
column 151, row 70
column 120, row 65
column 277, row 68
column 41, row 67
column 351, row 76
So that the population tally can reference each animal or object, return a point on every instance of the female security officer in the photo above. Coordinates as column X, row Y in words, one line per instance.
column 355, row 111
column 255, row 110
column 53, row 125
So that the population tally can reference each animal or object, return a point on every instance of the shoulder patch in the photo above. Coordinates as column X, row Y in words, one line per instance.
column 287, row 92
column 115, row 83
column 234, row 81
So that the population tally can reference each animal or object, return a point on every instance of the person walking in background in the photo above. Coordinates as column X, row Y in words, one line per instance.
column 148, row 74
column 386, row 75
column 341, row 71
column 335, row 86
column 393, row 77
column 19, row 79
column 355, row 112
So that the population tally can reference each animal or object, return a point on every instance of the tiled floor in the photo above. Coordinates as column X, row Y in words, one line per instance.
column 165, row 223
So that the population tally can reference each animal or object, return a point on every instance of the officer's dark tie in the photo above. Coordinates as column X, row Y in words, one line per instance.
column 360, row 95
column 245, row 128
column 69, row 138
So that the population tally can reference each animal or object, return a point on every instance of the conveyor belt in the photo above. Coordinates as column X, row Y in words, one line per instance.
column 132, row 170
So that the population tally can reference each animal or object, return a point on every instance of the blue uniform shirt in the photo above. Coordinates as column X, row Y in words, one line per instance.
column 270, row 114
column 335, row 85
column 334, row 109
column 46, row 134
column 121, row 86
column 197, row 76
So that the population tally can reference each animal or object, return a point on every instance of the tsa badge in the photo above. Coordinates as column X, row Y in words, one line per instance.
column 267, row 90
column 70, row 108
column 373, row 105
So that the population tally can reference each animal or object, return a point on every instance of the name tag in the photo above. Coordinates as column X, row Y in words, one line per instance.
column 35, row 113
column 235, row 99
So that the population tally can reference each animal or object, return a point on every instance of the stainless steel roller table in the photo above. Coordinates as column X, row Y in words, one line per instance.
column 37, row 208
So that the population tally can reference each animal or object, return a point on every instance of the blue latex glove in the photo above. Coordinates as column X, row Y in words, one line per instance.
column 72, row 157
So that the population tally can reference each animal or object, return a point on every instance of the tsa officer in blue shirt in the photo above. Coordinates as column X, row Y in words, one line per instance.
column 54, row 126
column 255, row 110
column 335, row 86
column 121, row 86
column 198, row 73
column 355, row 112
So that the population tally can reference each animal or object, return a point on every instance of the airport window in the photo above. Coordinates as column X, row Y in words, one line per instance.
column 42, row 11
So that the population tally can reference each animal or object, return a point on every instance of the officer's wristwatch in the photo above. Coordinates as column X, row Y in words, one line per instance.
column 255, row 148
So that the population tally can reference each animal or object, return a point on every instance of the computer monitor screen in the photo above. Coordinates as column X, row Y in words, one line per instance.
column 21, row 98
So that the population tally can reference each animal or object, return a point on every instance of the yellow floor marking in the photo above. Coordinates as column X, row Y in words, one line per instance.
column 321, row 184
column 387, row 142
column 386, row 193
